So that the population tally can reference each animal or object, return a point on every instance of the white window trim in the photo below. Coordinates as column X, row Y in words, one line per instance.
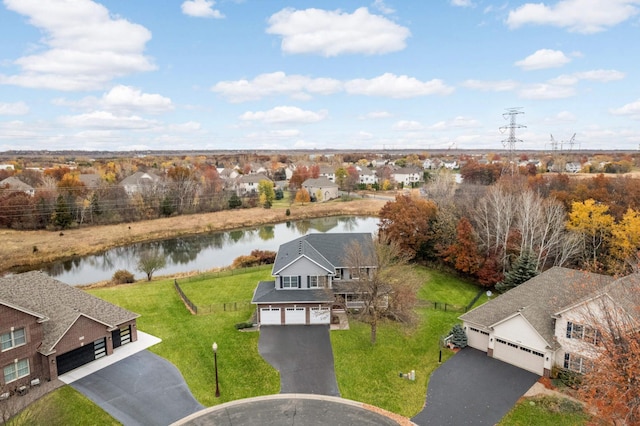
column 16, row 370
column 287, row 281
column 12, row 338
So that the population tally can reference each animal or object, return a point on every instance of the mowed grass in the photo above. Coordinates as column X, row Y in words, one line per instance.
column 64, row 406
column 370, row 373
column 187, row 339
column 545, row 411
column 227, row 288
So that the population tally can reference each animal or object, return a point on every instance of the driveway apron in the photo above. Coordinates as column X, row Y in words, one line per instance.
column 142, row 389
column 472, row 388
column 303, row 356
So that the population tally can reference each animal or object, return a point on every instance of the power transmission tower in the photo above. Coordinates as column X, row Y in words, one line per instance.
column 510, row 142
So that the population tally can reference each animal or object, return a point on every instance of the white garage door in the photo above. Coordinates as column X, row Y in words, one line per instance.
column 477, row 338
column 520, row 356
column 320, row 316
column 294, row 316
column 270, row 316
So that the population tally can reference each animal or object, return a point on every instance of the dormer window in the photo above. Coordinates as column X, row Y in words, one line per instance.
column 290, row 281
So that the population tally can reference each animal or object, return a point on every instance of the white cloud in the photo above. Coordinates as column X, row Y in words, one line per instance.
column 276, row 83
column 565, row 116
column 546, row 91
column 542, row 59
column 458, row 122
column 15, row 108
column 382, row 7
column 631, row 110
column 375, row 115
column 84, row 46
column 462, row 3
column 407, row 125
column 491, row 86
column 603, row 76
column 332, row 33
column 285, row 114
column 581, row 16
column 106, row 120
column 393, row 86
column 201, row 9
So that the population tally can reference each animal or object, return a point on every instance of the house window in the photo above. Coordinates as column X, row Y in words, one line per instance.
column 576, row 363
column 19, row 368
column 583, row 332
column 13, row 338
column 338, row 274
column 317, row 281
column 289, row 281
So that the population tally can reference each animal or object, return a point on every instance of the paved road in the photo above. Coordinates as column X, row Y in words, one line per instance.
column 143, row 389
column 473, row 389
column 303, row 356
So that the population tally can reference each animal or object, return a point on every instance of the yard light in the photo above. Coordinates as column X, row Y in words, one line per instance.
column 215, row 363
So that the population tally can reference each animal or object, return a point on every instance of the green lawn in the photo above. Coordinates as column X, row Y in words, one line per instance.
column 63, row 406
column 546, row 411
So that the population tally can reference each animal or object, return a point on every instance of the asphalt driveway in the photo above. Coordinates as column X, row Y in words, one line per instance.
column 303, row 356
column 473, row 389
column 142, row 389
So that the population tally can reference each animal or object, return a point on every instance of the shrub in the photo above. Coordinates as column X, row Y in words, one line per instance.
column 459, row 337
column 288, row 212
column 242, row 325
column 123, row 277
column 256, row 258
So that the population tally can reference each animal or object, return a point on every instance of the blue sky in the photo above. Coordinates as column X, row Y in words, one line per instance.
column 267, row 74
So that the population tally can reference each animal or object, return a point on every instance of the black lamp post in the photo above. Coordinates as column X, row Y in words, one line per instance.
column 215, row 363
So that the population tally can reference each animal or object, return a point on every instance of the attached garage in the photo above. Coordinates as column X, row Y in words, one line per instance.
column 518, row 355
column 478, row 339
column 270, row 316
column 295, row 315
column 320, row 315
column 81, row 356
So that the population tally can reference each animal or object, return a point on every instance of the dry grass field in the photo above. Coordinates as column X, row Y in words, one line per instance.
column 24, row 248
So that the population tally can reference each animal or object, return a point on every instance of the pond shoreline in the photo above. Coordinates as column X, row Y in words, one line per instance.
column 22, row 249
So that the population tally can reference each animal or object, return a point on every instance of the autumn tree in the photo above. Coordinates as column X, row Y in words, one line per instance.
column 302, row 196
column 300, row 174
column 267, row 194
column 463, row 254
column 386, row 286
column 409, row 221
column 151, row 261
column 625, row 243
column 183, row 188
column 611, row 383
column 593, row 222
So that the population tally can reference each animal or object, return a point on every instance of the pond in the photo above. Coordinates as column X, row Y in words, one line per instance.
column 200, row 252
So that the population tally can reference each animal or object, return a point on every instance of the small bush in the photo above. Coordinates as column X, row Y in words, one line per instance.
column 459, row 337
column 123, row 277
column 569, row 378
column 256, row 258
column 288, row 212
column 243, row 325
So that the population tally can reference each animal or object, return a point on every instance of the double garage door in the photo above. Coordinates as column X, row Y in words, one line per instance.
column 520, row 356
column 294, row 315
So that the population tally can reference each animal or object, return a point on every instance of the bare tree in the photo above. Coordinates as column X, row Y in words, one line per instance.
column 151, row 261
column 383, row 281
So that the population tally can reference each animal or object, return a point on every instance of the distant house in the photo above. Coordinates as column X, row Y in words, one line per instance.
column 573, row 167
column 310, row 277
column 550, row 320
column 367, row 176
column 247, row 184
column 140, row 182
column 91, row 181
column 48, row 328
column 329, row 172
column 321, row 188
column 407, row 176
column 14, row 184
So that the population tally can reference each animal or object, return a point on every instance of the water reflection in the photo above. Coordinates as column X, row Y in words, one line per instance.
column 201, row 252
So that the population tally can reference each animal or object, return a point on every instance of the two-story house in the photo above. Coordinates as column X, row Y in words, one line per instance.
column 552, row 319
column 48, row 328
column 311, row 275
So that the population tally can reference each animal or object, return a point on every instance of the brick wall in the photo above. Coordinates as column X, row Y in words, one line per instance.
column 10, row 317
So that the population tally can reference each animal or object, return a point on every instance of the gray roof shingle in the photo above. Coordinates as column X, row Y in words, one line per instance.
column 267, row 293
column 538, row 299
column 60, row 303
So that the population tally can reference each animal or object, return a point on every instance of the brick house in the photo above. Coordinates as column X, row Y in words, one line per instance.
column 48, row 328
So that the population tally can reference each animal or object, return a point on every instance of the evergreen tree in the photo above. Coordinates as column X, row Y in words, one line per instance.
column 62, row 217
column 234, row 201
column 459, row 337
column 524, row 268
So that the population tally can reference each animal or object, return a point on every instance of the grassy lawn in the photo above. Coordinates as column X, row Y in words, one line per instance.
column 370, row 373
column 187, row 338
column 63, row 406
column 545, row 411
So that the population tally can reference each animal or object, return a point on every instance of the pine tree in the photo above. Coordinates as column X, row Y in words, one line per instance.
column 62, row 217
column 458, row 336
column 524, row 268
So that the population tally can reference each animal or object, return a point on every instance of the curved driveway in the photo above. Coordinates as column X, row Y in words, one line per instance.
column 142, row 389
column 472, row 388
column 303, row 356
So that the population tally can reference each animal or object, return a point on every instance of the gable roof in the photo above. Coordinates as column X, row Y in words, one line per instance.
column 266, row 292
column 16, row 184
column 254, row 178
column 61, row 303
column 140, row 178
column 327, row 250
column 538, row 299
column 321, row 182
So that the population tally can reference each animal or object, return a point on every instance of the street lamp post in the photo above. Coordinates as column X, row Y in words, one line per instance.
column 215, row 363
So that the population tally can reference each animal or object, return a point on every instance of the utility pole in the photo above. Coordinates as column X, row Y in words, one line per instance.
column 510, row 142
